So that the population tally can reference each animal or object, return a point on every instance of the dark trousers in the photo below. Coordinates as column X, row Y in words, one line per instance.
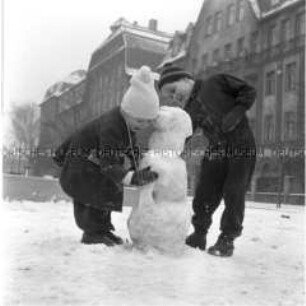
column 92, row 220
column 227, row 178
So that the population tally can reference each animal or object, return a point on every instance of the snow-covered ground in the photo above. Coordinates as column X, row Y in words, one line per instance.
column 47, row 265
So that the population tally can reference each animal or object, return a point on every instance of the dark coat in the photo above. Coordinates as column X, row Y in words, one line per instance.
column 218, row 101
column 92, row 161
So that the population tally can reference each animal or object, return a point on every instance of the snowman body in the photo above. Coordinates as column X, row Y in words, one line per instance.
column 161, row 218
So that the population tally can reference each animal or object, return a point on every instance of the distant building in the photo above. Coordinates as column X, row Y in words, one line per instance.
column 62, row 110
column 61, row 113
column 263, row 42
column 128, row 47
column 83, row 96
column 178, row 46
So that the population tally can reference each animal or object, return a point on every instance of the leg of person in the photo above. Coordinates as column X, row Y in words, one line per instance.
column 83, row 181
column 95, row 223
column 207, row 198
column 239, row 174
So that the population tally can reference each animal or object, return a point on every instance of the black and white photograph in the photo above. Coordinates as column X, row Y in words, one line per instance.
column 152, row 153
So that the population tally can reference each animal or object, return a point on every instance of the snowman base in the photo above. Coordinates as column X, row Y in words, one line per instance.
column 159, row 226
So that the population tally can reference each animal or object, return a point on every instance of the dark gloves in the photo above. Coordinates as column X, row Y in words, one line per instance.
column 143, row 177
column 232, row 119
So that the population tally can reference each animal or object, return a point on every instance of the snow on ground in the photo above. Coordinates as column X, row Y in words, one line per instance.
column 46, row 264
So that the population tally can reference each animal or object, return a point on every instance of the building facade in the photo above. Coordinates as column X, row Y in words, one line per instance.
column 83, row 96
column 263, row 42
column 128, row 47
column 176, row 53
column 61, row 113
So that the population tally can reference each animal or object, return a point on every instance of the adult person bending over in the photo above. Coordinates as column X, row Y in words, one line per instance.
column 92, row 160
column 218, row 106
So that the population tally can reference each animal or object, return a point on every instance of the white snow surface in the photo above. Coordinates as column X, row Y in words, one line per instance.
column 45, row 263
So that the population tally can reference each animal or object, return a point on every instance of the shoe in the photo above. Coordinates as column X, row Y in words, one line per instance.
column 196, row 240
column 224, row 247
column 116, row 239
column 94, row 238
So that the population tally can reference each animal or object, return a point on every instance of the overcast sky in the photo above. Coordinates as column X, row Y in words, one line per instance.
column 45, row 40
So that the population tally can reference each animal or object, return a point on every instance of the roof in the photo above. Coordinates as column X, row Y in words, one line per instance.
column 168, row 60
column 142, row 46
column 279, row 8
column 262, row 9
column 60, row 87
column 123, row 26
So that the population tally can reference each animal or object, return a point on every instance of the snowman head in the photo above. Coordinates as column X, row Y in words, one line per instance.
column 172, row 127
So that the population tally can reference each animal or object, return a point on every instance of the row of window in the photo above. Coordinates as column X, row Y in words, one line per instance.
column 285, row 30
column 233, row 13
column 289, row 128
column 106, row 91
column 230, row 51
column 290, row 79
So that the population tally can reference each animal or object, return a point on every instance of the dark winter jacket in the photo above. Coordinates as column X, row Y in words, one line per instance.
column 218, row 105
column 92, row 161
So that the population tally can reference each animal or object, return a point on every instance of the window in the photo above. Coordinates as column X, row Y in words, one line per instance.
column 228, row 51
column 209, row 26
column 268, row 128
column 270, row 83
column 204, row 61
column 230, row 14
column 240, row 46
column 300, row 24
column 240, row 10
column 290, row 77
column 289, row 126
column 272, row 36
column 254, row 46
column 286, row 30
column 218, row 22
column 216, row 56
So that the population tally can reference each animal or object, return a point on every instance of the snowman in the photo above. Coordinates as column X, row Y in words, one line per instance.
column 161, row 218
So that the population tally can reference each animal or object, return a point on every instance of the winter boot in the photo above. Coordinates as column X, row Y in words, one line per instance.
column 95, row 238
column 197, row 240
column 116, row 239
column 224, row 247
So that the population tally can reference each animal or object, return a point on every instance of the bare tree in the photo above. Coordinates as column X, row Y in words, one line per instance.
column 25, row 124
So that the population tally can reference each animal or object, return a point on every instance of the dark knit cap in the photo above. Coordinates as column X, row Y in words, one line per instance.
column 171, row 73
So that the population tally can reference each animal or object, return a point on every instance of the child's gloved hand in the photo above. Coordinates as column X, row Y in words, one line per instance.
column 143, row 177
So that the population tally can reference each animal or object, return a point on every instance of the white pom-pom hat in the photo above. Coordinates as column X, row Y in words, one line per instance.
column 141, row 99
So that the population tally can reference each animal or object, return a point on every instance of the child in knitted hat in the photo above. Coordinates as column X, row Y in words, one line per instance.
column 92, row 160
column 217, row 105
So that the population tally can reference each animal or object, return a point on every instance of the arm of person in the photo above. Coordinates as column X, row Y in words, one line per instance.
column 111, row 165
column 245, row 97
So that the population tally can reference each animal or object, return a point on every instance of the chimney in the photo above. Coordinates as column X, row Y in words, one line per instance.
column 153, row 24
